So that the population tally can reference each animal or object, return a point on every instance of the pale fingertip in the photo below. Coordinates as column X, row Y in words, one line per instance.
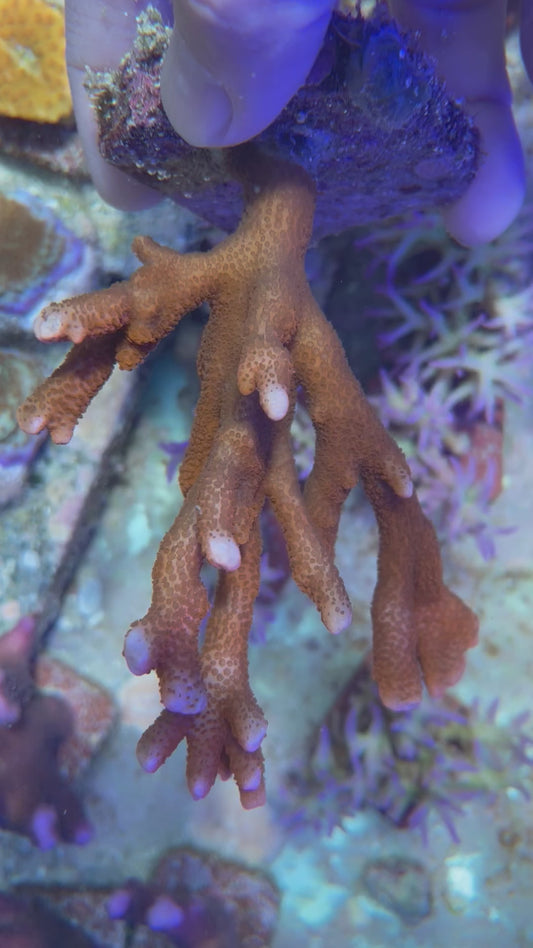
column 497, row 192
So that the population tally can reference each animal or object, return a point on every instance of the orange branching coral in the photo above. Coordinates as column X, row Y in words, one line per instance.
column 265, row 336
column 33, row 75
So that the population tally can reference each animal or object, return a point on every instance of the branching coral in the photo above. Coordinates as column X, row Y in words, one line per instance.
column 265, row 336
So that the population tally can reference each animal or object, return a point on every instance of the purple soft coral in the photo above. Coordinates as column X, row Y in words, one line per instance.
column 410, row 766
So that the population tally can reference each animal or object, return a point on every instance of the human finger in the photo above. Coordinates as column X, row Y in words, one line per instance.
column 467, row 40
column 98, row 34
column 232, row 65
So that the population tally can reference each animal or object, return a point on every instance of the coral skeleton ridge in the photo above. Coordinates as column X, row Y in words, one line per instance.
column 266, row 337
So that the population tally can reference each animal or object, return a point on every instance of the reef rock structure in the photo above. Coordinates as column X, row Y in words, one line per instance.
column 37, row 251
column 35, row 729
column 265, row 338
column 192, row 899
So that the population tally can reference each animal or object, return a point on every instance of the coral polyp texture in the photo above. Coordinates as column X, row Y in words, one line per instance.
column 265, row 338
column 33, row 74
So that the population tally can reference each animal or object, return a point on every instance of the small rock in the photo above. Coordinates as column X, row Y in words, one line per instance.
column 401, row 885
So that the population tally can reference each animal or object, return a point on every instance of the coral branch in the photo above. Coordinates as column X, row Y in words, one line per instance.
column 421, row 629
column 265, row 337
column 61, row 400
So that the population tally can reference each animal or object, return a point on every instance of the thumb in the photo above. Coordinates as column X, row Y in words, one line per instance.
column 232, row 65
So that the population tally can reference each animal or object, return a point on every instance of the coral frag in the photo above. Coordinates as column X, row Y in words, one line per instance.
column 265, row 336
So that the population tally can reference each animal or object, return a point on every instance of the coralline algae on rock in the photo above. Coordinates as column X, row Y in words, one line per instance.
column 37, row 251
column 18, row 375
column 191, row 900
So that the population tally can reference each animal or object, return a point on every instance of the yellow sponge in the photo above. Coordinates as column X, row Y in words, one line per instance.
column 33, row 74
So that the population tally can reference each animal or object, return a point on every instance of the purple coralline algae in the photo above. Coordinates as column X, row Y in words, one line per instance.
column 36, row 251
column 192, row 900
